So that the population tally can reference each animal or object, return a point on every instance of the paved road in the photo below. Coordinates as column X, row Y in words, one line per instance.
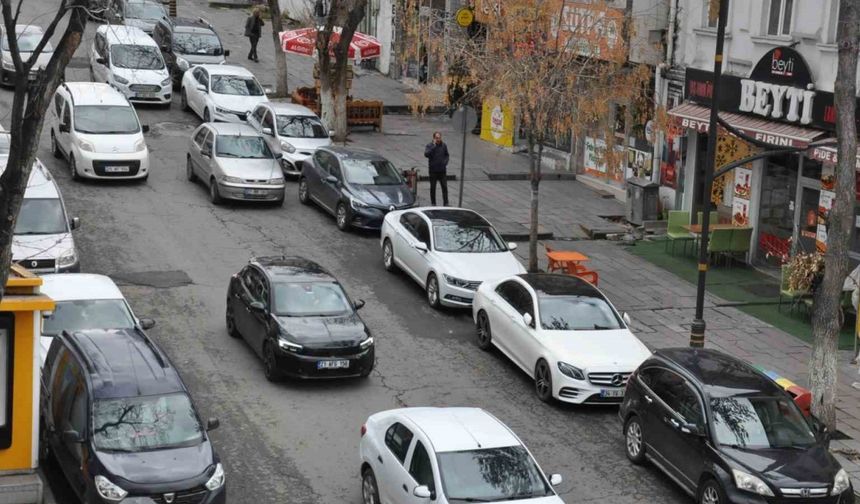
column 173, row 252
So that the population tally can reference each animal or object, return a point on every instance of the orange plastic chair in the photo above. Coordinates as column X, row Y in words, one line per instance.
column 582, row 272
column 552, row 264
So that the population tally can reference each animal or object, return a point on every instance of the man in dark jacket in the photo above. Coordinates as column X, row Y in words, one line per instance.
column 253, row 30
column 436, row 153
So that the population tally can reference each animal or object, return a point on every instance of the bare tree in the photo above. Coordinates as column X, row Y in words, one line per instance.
column 32, row 99
column 345, row 15
column 282, row 89
column 825, row 317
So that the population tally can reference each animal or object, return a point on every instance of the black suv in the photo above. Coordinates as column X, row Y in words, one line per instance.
column 356, row 185
column 298, row 319
column 120, row 423
column 186, row 42
column 727, row 433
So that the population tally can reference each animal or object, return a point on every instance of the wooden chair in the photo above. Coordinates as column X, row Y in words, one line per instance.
column 578, row 270
column 552, row 264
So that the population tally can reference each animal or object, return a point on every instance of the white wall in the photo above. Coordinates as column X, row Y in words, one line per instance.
column 297, row 9
column 650, row 21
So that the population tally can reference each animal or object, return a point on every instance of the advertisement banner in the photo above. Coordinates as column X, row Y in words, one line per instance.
column 497, row 123
column 590, row 28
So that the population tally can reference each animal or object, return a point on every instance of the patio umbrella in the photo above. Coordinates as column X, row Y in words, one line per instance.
column 303, row 41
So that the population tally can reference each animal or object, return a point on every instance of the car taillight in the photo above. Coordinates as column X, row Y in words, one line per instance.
column 363, row 430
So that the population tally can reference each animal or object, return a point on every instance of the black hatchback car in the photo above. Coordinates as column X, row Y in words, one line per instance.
column 121, row 424
column 298, row 319
column 355, row 185
column 727, row 433
column 186, row 42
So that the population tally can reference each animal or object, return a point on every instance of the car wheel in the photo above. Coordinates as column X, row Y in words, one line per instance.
column 433, row 291
column 710, row 492
column 232, row 330
column 214, row 195
column 73, row 168
column 270, row 365
column 388, row 256
column 183, row 101
column 341, row 217
column 543, row 381
column 635, row 440
column 55, row 147
column 206, row 117
column 369, row 490
column 304, row 196
column 189, row 170
column 485, row 334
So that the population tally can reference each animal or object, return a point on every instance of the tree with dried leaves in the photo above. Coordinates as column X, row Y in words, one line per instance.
column 31, row 101
column 825, row 317
column 282, row 89
column 341, row 22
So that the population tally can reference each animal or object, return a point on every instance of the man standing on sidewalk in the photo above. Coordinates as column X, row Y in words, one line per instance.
column 436, row 153
column 253, row 30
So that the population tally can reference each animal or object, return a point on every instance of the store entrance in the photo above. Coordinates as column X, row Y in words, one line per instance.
column 808, row 222
column 776, row 209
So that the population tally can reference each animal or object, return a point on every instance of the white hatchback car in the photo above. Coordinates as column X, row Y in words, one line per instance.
column 28, row 37
column 129, row 60
column 448, row 455
column 292, row 130
column 563, row 332
column 225, row 93
column 97, row 130
column 84, row 301
column 448, row 251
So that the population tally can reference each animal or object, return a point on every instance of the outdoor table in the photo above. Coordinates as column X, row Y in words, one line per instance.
column 696, row 229
column 566, row 256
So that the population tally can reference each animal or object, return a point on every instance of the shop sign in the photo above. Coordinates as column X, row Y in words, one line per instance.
column 595, row 156
column 589, row 28
column 639, row 164
column 465, row 16
column 497, row 123
column 779, row 88
column 829, row 156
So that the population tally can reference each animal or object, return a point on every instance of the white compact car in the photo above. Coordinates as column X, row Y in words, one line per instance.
column 562, row 332
column 448, row 455
column 129, row 60
column 97, row 130
column 448, row 251
column 84, row 301
column 292, row 130
column 28, row 37
column 225, row 93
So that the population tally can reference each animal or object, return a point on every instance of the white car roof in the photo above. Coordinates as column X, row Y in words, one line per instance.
column 457, row 429
column 75, row 286
column 121, row 34
column 226, row 70
column 292, row 109
column 41, row 183
column 94, row 93
column 29, row 29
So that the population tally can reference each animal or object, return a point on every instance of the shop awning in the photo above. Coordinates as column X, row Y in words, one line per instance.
column 697, row 117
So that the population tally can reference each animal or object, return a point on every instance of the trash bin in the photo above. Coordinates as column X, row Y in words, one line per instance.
column 642, row 198
column 411, row 177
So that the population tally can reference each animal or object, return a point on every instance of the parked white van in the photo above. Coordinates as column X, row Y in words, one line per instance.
column 97, row 130
column 128, row 59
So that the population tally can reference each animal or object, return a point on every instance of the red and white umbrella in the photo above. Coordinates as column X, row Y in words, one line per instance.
column 303, row 41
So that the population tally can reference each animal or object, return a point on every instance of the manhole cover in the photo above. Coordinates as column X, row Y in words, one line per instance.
column 171, row 129
column 156, row 279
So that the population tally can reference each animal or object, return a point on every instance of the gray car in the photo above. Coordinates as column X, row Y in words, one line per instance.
column 235, row 163
column 186, row 42
column 143, row 14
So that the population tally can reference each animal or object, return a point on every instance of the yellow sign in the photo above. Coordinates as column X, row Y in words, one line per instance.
column 465, row 16
column 497, row 123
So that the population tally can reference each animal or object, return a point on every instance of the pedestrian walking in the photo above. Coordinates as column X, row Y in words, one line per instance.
column 253, row 29
column 436, row 153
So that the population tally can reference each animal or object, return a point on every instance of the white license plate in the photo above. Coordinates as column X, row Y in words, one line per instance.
column 147, row 94
column 612, row 393
column 332, row 364
column 255, row 192
column 116, row 169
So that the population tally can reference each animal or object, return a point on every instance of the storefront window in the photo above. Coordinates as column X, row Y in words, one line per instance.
column 6, row 356
column 776, row 213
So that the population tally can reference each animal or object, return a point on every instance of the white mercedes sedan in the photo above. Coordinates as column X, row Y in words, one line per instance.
column 563, row 332
column 448, row 251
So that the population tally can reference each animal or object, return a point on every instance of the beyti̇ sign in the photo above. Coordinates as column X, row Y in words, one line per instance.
column 780, row 88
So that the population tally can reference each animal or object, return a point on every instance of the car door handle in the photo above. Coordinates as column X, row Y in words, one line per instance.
column 379, row 458
column 405, row 489
column 648, row 399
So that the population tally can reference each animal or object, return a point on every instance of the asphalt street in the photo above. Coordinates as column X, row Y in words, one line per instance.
column 172, row 252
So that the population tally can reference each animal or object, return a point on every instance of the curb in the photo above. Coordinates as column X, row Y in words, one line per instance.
column 407, row 110
column 525, row 176
column 524, row 237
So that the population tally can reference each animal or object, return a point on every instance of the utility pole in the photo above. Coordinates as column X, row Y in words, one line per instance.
column 465, row 110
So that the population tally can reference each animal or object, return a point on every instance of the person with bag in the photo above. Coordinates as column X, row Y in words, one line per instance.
column 437, row 156
column 253, row 30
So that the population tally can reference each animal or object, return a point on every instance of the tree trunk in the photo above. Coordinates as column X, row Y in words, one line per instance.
column 282, row 89
column 826, row 319
column 534, row 177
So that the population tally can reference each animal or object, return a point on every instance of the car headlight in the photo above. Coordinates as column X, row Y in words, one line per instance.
column 276, row 181
column 217, row 479
column 287, row 147
column 108, row 490
column 166, row 82
column 840, row 483
column 86, row 146
column 140, row 145
column 459, row 282
column 366, row 343
column 67, row 258
column 357, row 205
column 288, row 345
column 225, row 111
column 232, row 180
column 8, row 65
column 120, row 80
column 183, row 64
column 571, row 371
column 750, row 483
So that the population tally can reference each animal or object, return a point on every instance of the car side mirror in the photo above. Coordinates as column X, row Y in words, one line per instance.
column 420, row 246
column 257, row 306
column 527, row 319
column 821, row 430
column 72, row 436
column 512, row 246
column 147, row 323
column 201, row 88
column 331, row 179
column 331, row 133
column 626, row 317
column 226, row 52
column 101, row 61
column 144, row 128
column 75, row 223
column 422, row 492
column 279, row 155
column 212, row 424
column 206, row 153
column 64, row 128
column 555, row 479
column 268, row 131
column 359, row 304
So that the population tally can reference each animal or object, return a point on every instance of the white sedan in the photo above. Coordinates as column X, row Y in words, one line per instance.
column 448, row 251
column 226, row 93
column 563, row 332
column 448, row 455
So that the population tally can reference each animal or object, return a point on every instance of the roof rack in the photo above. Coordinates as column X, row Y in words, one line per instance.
column 152, row 347
column 86, row 358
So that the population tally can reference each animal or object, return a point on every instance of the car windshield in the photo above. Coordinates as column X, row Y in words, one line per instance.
column 487, row 475
column 246, row 147
column 41, row 216
column 453, row 237
column 197, row 43
column 760, row 422
column 106, row 119
column 145, row 10
column 138, row 57
column 145, row 423
column 235, row 85
column 371, row 172
column 576, row 313
column 87, row 314
column 27, row 42
column 310, row 299
column 301, row 127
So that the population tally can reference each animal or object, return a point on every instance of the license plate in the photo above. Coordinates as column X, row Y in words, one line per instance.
column 147, row 94
column 332, row 364
column 255, row 192
column 612, row 393
column 116, row 169
column 31, row 77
